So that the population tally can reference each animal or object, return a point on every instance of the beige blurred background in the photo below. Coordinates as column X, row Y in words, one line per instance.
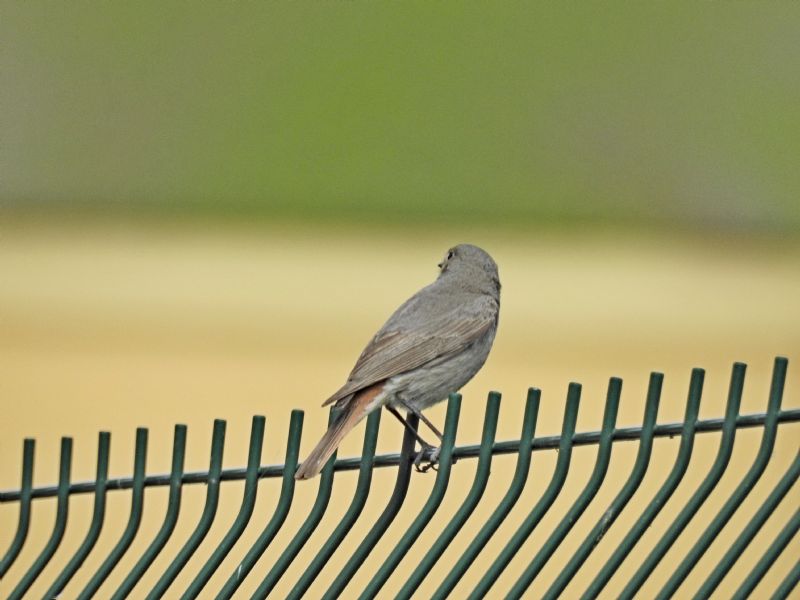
column 207, row 214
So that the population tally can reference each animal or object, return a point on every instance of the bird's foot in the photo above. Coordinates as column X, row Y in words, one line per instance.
column 427, row 458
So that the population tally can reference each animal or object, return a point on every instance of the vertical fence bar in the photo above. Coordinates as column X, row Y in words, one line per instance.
column 664, row 493
column 751, row 529
column 352, row 514
column 60, row 525
column 770, row 556
column 306, row 529
column 625, row 494
column 506, row 504
column 584, row 499
column 702, row 492
column 28, row 447
column 137, row 501
column 544, row 503
column 770, row 421
column 388, row 515
column 167, row 527
column 430, row 507
column 281, row 510
column 245, row 512
column 98, row 516
column 206, row 519
column 470, row 502
column 744, row 487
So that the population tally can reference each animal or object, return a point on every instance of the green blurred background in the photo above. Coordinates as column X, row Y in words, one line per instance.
column 433, row 112
column 206, row 210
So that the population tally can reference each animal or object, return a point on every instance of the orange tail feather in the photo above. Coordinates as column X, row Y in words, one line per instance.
column 355, row 411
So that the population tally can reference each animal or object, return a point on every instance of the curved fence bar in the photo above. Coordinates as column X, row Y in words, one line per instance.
column 206, row 519
column 770, row 556
column 788, row 584
column 281, row 510
column 431, row 506
column 741, row 491
column 547, row 499
column 23, row 522
column 306, row 529
column 245, row 512
column 585, row 497
column 62, row 509
column 173, row 508
column 664, row 493
column 470, row 502
column 352, row 514
column 98, row 515
column 364, row 570
column 751, row 529
column 702, row 493
column 137, row 503
column 506, row 504
column 388, row 515
column 618, row 504
column 380, row 461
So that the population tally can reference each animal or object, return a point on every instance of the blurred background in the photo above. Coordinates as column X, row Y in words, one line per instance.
column 207, row 211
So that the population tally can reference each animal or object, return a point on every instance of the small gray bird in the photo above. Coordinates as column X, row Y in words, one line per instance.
column 430, row 347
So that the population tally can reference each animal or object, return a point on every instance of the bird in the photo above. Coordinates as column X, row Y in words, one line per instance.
column 430, row 347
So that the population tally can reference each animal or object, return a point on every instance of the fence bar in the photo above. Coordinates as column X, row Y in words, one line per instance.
column 474, row 496
column 62, row 509
column 352, row 514
column 204, row 524
column 702, row 492
column 388, row 515
column 245, row 512
column 544, row 503
column 584, row 499
column 98, row 516
column 306, row 529
column 788, row 584
column 506, row 504
column 770, row 556
column 26, row 485
column 281, row 510
column 588, row 438
column 137, row 502
column 167, row 527
column 382, row 570
column 431, row 505
column 664, row 493
column 751, row 529
column 625, row 494
column 741, row 491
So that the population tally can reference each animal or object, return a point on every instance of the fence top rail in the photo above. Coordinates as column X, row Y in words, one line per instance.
column 393, row 459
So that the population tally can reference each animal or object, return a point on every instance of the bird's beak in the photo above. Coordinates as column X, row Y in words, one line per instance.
column 440, row 264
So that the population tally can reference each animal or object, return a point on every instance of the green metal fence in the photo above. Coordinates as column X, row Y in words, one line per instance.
column 450, row 573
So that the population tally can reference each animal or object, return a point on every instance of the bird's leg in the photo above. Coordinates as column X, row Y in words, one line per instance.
column 433, row 458
column 407, row 425
column 430, row 425
column 424, row 419
column 427, row 449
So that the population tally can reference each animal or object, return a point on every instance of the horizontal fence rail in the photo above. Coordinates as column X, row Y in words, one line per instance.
column 451, row 572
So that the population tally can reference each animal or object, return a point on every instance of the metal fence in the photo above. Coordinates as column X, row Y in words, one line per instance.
column 450, row 573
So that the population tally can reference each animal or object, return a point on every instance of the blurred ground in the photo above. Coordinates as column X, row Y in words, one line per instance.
column 109, row 327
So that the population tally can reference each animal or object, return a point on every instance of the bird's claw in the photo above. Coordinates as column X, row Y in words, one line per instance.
column 430, row 456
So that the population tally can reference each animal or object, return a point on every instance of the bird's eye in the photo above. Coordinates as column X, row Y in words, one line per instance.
column 450, row 254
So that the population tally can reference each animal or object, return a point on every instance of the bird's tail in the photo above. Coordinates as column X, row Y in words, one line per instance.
column 356, row 409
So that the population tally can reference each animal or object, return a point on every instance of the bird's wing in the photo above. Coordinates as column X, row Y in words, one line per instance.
column 395, row 350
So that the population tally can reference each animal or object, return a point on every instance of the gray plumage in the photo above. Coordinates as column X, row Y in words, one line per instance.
column 430, row 347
